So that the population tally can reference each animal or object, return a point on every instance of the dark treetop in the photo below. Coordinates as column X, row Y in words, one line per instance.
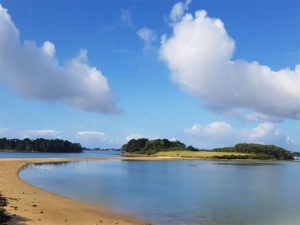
column 39, row 145
column 146, row 146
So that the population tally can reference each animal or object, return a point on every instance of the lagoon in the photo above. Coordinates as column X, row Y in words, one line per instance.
column 186, row 192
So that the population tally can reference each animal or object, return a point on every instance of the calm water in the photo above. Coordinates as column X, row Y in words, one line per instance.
column 85, row 154
column 181, row 192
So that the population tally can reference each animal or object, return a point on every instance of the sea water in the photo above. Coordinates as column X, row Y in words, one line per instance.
column 84, row 154
column 185, row 192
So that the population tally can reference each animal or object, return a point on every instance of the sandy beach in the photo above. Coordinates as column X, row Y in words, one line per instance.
column 31, row 205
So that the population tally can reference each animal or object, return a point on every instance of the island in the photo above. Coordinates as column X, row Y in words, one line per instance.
column 167, row 148
column 39, row 145
column 296, row 154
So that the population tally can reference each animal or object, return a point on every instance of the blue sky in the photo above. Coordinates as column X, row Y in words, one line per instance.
column 154, row 89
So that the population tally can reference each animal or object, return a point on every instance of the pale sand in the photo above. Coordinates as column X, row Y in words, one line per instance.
column 32, row 205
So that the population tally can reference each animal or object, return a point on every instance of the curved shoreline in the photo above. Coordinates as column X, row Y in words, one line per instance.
column 29, row 204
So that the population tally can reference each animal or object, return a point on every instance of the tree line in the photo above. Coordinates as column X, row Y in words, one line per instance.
column 255, row 151
column 259, row 151
column 146, row 146
column 39, row 145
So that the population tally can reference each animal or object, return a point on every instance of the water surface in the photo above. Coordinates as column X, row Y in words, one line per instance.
column 181, row 192
column 84, row 154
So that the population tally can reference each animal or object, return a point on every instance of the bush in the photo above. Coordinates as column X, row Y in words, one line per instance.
column 148, row 147
column 259, row 151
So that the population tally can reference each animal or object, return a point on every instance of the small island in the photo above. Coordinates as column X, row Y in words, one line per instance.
column 39, row 145
column 167, row 148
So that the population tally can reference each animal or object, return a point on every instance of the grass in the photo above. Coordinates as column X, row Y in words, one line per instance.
column 200, row 154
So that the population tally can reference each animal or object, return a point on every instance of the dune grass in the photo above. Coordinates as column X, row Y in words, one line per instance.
column 200, row 154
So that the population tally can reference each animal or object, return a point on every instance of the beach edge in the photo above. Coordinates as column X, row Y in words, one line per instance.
column 28, row 204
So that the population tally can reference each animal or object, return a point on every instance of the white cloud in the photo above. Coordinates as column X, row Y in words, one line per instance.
column 214, row 128
column 211, row 135
column 91, row 134
column 126, row 17
column 269, row 133
column 220, row 134
column 133, row 136
column 261, row 130
column 255, row 116
column 32, row 134
column 137, row 136
column 178, row 10
column 173, row 139
column 94, row 139
column 52, row 134
column 199, row 55
column 148, row 36
column 49, row 48
column 249, row 115
column 34, row 72
column 4, row 132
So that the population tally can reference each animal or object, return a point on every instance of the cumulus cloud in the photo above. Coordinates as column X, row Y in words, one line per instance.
column 199, row 55
column 173, row 139
column 32, row 134
column 215, row 128
column 100, row 139
column 256, row 116
column 148, row 36
column 126, row 17
column 268, row 133
column 93, row 139
column 219, row 134
column 137, row 136
column 178, row 10
column 91, row 134
column 4, row 132
column 249, row 115
column 51, row 134
column 34, row 72
column 211, row 135
column 133, row 136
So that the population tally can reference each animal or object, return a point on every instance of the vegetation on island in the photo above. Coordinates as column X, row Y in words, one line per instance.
column 149, row 147
column 296, row 154
column 259, row 151
column 166, row 148
column 203, row 154
column 39, row 145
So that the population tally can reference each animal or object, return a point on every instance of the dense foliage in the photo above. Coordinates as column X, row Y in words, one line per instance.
column 259, row 151
column 251, row 151
column 39, row 145
column 146, row 146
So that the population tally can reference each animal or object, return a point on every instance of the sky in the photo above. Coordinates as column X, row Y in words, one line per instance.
column 207, row 73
